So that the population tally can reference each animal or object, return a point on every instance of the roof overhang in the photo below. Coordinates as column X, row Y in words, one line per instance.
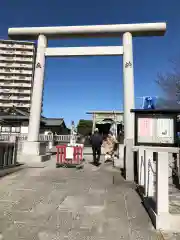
column 113, row 30
column 108, row 122
column 53, row 122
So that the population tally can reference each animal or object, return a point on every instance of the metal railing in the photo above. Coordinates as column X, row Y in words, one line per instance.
column 42, row 137
column 62, row 138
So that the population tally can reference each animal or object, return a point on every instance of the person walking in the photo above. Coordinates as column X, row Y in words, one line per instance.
column 110, row 146
column 96, row 142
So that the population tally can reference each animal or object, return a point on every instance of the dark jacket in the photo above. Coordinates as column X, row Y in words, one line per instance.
column 96, row 140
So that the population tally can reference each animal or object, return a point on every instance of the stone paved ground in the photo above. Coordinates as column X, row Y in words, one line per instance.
column 88, row 204
column 171, row 236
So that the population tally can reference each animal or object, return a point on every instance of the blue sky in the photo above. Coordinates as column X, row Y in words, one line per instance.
column 76, row 85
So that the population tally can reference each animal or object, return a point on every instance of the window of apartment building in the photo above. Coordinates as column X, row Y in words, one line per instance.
column 6, row 101
column 22, row 77
column 10, row 51
column 7, row 82
column 9, row 57
column 28, row 58
column 20, row 103
column 8, row 64
column 6, row 96
column 7, row 76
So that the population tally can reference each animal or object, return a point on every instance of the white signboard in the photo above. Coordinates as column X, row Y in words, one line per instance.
column 145, row 127
column 145, row 130
column 165, row 130
column 69, row 152
column 156, row 130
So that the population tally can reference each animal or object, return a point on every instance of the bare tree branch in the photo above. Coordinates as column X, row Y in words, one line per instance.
column 170, row 84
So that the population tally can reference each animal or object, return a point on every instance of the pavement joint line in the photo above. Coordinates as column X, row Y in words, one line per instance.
column 10, row 201
column 127, row 214
column 26, row 189
column 57, row 207
column 19, row 222
column 23, row 211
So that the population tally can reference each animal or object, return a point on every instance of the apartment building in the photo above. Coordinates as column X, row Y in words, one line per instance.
column 17, row 60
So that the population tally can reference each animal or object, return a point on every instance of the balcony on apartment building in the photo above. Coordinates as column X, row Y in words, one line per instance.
column 15, row 97
column 15, row 84
column 17, row 46
column 15, row 104
column 16, row 52
column 15, row 77
column 16, row 59
column 16, row 65
column 15, row 91
column 15, row 71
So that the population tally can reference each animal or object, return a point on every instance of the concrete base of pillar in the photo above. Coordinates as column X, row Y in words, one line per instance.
column 33, row 153
column 129, row 160
column 164, row 221
column 34, row 148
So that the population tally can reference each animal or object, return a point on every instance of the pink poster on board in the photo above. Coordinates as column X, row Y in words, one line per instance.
column 145, row 127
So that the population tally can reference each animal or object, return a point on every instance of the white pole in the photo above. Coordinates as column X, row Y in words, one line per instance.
column 128, row 82
column 36, row 104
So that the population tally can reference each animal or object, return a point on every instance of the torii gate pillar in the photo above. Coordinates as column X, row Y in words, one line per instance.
column 128, row 83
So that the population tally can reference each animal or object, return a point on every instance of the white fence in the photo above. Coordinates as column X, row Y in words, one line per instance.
column 42, row 137
column 154, row 172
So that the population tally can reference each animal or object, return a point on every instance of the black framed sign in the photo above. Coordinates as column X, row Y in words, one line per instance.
column 155, row 127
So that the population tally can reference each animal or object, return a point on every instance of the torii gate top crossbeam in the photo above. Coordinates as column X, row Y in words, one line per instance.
column 114, row 30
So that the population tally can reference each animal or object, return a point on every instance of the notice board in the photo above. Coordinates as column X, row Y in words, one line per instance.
column 156, row 130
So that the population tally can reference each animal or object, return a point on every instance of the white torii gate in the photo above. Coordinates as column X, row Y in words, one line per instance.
column 127, row 31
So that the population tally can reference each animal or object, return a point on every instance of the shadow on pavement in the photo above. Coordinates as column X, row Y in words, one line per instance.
column 95, row 164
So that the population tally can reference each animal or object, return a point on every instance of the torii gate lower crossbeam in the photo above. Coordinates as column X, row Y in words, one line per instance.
column 127, row 31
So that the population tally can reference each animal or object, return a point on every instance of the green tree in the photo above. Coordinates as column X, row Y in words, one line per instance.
column 84, row 127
